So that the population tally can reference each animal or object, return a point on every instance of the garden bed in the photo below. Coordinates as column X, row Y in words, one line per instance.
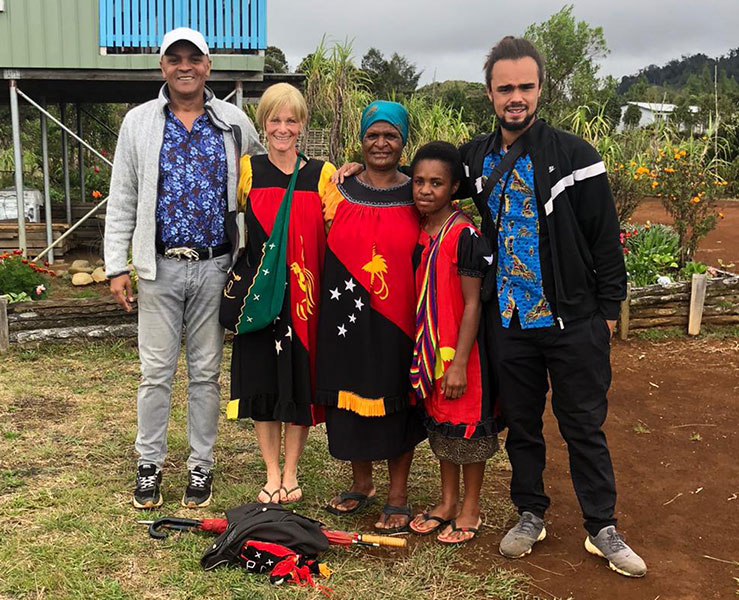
column 669, row 305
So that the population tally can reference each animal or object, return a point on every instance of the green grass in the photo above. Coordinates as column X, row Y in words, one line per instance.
column 714, row 332
column 68, row 531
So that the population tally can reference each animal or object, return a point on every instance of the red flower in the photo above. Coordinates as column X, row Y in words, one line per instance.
column 46, row 263
column 96, row 169
column 17, row 252
column 52, row 273
column 25, row 261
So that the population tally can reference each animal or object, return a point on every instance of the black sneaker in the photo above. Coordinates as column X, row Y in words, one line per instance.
column 199, row 490
column 148, row 481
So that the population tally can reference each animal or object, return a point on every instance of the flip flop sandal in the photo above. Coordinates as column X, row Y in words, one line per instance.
column 277, row 491
column 389, row 510
column 440, row 523
column 288, row 492
column 472, row 530
column 363, row 501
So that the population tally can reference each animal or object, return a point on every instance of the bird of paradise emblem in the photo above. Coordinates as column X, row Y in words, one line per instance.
column 306, row 283
column 539, row 311
column 377, row 268
column 527, row 211
column 521, row 270
column 518, row 184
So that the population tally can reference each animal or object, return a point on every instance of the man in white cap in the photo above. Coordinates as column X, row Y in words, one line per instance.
column 173, row 202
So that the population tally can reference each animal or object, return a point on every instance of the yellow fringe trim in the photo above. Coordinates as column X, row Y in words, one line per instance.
column 232, row 410
column 365, row 407
column 324, row 570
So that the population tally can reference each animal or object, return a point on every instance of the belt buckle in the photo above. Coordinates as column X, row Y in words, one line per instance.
column 182, row 252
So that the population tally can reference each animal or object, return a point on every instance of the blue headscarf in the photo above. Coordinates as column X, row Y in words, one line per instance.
column 391, row 112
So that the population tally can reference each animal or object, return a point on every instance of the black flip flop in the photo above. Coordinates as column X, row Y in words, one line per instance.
column 440, row 523
column 388, row 510
column 363, row 501
column 472, row 530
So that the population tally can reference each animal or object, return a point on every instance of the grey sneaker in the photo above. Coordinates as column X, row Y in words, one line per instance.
column 521, row 538
column 610, row 545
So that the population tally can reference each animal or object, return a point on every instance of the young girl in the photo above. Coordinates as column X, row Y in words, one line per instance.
column 450, row 373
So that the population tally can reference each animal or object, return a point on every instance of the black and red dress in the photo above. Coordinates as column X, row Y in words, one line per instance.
column 273, row 370
column 474, row 415
column 365, row 340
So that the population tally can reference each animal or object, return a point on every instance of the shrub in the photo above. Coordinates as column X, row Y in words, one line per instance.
column 21, row 279
column 685, row 176
column 649, row 251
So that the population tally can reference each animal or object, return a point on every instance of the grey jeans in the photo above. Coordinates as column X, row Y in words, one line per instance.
column 184, row 293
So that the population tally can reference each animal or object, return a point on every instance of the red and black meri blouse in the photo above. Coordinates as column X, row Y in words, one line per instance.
column 367, row 326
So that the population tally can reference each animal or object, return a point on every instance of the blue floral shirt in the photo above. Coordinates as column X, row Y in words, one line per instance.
column 191, row 202
column 519, row 269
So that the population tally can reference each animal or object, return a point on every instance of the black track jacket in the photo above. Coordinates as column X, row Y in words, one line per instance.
column 579, row 219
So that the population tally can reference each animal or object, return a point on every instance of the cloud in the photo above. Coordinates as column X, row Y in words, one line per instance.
column 451, row 39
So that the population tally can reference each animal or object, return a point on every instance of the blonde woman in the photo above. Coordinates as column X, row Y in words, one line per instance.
column 273, row 369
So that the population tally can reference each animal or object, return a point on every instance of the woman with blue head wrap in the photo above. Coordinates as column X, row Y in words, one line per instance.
column 367, row 321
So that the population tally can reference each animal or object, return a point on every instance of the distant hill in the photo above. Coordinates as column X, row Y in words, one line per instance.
column 675, row 73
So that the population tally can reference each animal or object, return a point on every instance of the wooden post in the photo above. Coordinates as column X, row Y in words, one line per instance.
column 697, row 299
column 623, row 317
column 4, row 334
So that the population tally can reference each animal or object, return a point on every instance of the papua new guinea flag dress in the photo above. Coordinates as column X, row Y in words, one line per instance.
column 273, row 369
column 367, row 324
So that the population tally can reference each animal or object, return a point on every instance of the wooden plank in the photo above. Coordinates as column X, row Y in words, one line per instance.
column 4, row 333
column 697, row 300
column 237, row 31
column 623, row 317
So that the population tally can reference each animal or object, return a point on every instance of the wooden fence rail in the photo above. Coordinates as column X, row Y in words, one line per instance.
column 95, row 318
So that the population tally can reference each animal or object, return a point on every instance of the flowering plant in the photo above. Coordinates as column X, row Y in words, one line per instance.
column 685, row 176
column 22, row 279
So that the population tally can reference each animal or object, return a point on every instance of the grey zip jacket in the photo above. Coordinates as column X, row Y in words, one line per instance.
column 130, row 220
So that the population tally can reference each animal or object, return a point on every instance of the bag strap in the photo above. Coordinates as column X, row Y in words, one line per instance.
column 506, row 164
column 509, row 159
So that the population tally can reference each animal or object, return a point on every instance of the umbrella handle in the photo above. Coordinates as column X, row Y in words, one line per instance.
column 171, row 523
column 382, row 540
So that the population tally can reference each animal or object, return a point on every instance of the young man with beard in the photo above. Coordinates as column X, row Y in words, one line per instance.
column 559, row 280
column 173, row 202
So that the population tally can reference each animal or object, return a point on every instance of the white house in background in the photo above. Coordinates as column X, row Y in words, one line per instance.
column 652, row 112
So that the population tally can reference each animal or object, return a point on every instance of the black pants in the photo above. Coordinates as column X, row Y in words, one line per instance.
column 577, row 359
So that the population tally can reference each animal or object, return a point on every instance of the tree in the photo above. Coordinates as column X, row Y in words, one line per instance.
column 570, row 49
column 632, row 116
column 275, row 61
column 396, row 77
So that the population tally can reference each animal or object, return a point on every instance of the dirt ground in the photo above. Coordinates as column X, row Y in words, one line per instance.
column 722, row 243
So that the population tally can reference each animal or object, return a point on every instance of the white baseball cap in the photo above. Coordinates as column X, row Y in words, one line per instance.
column 184, row 33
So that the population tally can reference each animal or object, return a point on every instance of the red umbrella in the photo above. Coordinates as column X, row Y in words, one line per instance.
column 218, row 526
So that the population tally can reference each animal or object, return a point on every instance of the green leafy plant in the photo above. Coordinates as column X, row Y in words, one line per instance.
column 649, row 251
column 21, row 279
column 692, row 268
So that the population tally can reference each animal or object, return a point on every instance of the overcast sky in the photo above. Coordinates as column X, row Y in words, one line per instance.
column 448, row 39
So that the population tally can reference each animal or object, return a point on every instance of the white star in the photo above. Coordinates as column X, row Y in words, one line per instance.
column 350, row 285
column 278, row 346
column 342, row 330
column 472, row 231
column 265, row 271
column 258, row 555
column 335, row 293
column 289, row 333
column 249, row 319
column 352, row 318
column 270, row 562
column 358, row 303
column 277, row 318
column 271, row 246
column 489, row 259
column 256, row 297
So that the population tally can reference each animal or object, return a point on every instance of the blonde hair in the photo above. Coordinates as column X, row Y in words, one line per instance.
column 279, row 96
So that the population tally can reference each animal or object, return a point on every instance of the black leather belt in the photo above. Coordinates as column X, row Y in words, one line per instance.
column 193, row 253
